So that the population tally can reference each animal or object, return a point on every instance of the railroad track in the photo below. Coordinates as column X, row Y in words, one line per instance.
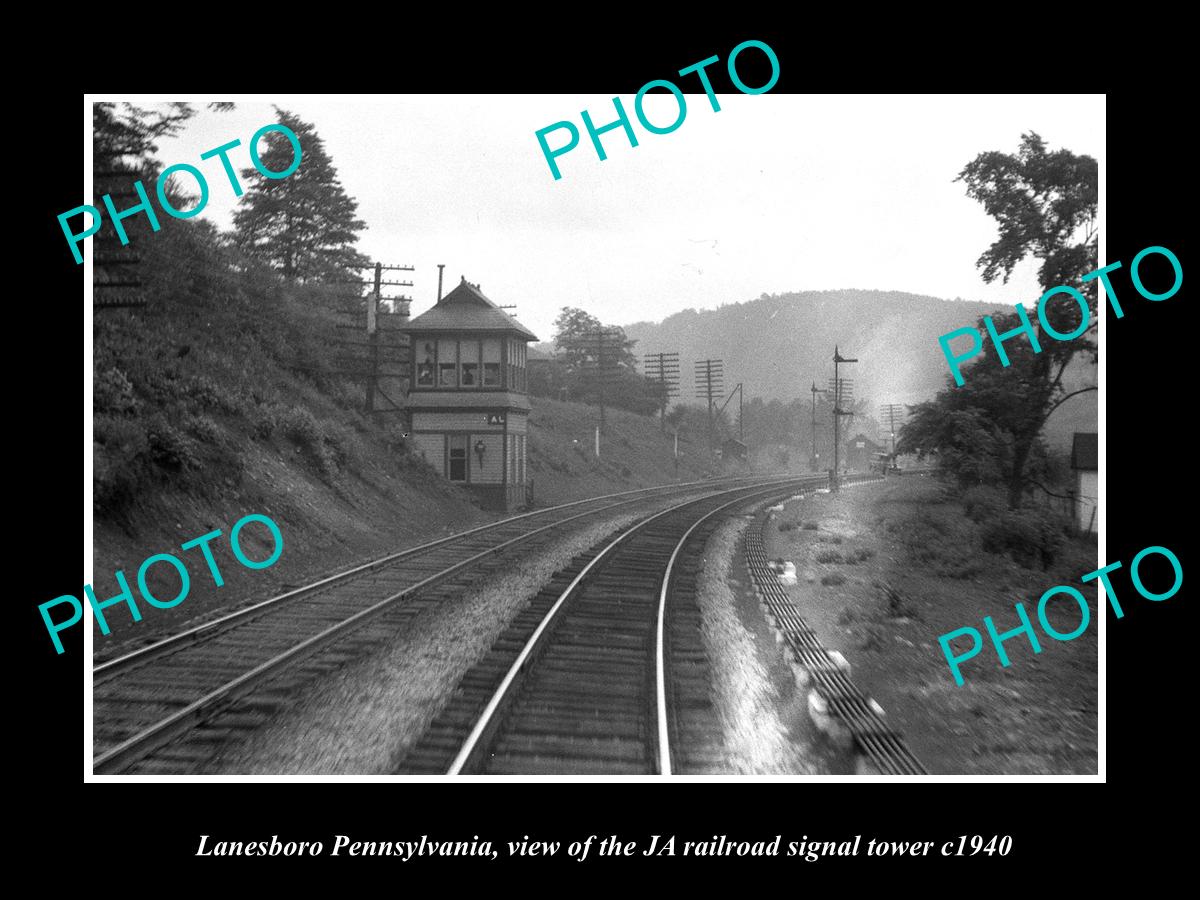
column 164, row 708
column 604, row 672
column 882, row 746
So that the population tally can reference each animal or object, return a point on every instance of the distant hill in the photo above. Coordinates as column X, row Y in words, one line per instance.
column 779, row 344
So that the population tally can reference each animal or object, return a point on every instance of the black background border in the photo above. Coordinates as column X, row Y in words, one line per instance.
column 1052, row 824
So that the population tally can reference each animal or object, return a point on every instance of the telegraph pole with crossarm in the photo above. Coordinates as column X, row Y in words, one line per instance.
column 838, row 412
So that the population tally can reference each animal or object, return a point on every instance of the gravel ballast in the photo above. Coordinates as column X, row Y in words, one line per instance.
column 363, row 718
column 764, row 728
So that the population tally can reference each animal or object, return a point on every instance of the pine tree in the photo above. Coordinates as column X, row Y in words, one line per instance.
column 303, row 225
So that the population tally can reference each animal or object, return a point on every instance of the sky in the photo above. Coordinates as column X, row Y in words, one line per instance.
column 773, row 193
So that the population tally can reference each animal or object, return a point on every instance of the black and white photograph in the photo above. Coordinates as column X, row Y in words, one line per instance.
column 704, row 431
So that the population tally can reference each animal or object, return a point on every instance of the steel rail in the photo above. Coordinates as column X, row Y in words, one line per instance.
column 883, row 746
column 485, row 720
column 140, row 744
column 204, row 629
column 664, row 753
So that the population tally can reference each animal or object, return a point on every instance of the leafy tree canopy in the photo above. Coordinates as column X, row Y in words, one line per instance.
column 1045, row 205
column 575, row 337
column 988, row 430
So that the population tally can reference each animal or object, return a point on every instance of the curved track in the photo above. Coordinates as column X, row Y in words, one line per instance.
column 163, row 708
column 605, row 670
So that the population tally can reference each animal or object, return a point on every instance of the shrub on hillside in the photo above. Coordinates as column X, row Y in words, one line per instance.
column 119, row 451
column 936, row 539
column 112, row 392
column 203, row 429
column 264, row 419
column 982, row 503
column 170, row 449
column 204, row 393
column 1028, row 536
column 345, row 394
column 298, row 424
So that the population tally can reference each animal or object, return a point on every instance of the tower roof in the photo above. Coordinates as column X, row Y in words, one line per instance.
column 466, row 309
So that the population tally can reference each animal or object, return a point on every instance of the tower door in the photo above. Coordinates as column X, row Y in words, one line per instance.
column 456, row 469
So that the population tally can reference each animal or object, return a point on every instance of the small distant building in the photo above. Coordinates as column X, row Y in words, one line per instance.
column 468, row 400
column 861, row 453
column 1085, row 463
column 733, row 449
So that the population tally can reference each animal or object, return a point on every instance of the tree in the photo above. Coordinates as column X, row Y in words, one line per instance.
column 574, row 336
column 124, row 140
column 989, row 428
column 122, row 130
column 305, row 225
column 593, row 369
column 1045, row 204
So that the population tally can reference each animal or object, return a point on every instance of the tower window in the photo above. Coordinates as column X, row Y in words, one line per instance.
column 491, row 363
column 447, row 364
column 469, row 363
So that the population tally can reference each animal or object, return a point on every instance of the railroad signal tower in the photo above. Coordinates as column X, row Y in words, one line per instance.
column 468, row 404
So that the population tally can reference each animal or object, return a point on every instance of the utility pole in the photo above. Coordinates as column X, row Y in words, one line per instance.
column 372, row 300
column 709, row 383
column 891, row 412
column 812, row 460
column 663, row 368
column 373, row 335
column 600, row 341
column 838, row 359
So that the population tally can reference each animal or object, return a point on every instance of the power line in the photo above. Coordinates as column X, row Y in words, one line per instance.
column 710, row 375
column 838, row 398
column 377, row 323
column 663, row 368
column 601, row 341
column 892, row 413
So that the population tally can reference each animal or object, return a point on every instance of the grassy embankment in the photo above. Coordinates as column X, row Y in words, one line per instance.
column 219, row 400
